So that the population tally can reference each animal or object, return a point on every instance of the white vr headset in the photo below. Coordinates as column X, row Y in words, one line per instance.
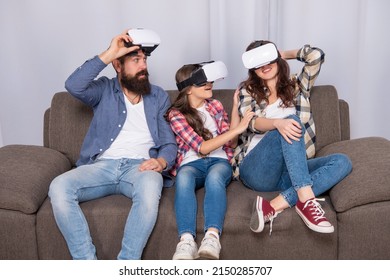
column 260, row 56
column 208, row 72
column 146, row 39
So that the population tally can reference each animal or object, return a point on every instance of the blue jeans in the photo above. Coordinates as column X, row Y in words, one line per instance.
column 214, row 174
column 275, row 165
column 102, row 178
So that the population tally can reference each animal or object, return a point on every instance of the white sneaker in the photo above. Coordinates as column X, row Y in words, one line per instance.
column 186, row 250
column 210, row 248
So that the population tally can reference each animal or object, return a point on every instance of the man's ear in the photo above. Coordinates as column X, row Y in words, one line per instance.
column 117, row 65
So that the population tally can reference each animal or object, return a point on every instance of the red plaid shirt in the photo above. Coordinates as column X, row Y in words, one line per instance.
column 187, row 138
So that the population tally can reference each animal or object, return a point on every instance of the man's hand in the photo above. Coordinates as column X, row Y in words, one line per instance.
column 155, row 164
column 117, row 48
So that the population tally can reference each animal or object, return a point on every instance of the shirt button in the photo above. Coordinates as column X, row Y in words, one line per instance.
column 124, row 112
column 101, row 150
column 112, row 139
column 119, row 125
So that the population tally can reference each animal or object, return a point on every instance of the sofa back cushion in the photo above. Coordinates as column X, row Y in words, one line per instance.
column 68, row 124
column 67, row 121
column 324, row 104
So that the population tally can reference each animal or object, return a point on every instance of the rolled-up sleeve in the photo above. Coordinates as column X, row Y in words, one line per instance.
column 313, row 59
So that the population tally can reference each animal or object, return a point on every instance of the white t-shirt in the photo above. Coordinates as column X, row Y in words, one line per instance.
column 134, row 140
column 275, row 110
column 210, row 124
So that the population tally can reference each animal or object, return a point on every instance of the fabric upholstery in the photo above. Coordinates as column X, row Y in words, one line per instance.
column 69, row 122
column 356, row 206
column 366, row 184
column 25, row 175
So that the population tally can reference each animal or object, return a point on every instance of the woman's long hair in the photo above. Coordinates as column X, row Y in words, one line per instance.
column 256, row 87
column 182, row 104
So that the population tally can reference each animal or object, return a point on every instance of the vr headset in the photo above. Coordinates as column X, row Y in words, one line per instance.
column 208, row 72
column 260, row 56
column 146, row 39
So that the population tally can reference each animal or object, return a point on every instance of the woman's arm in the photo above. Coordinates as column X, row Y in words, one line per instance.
column 290, row 129
column 289, row 54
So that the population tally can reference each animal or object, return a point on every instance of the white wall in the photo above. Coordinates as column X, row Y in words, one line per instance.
column 43, row 41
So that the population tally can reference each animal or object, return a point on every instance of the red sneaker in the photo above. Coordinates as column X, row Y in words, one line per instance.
column 262, row 213
column 312, row 214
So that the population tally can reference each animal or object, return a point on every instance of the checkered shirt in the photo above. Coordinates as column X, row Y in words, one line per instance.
column 187, row 138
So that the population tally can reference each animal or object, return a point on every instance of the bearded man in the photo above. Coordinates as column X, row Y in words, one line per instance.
column 127, row 150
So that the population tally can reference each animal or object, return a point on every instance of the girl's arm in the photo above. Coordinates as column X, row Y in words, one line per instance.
column 210, row 145
column 235, row 117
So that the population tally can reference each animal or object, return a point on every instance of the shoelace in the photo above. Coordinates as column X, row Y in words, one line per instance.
column 271, row 218
column 210, row 241
column 315, row 208
column 184, row 244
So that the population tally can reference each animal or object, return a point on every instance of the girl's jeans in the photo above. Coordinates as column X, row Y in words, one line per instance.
column 275, row 165
column 214, row 174
column 102, row 178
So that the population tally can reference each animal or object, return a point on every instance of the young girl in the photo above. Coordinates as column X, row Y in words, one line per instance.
column 205, row 148
column 274, row 150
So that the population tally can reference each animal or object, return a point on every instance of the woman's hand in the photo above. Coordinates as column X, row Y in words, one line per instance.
column 290, row 129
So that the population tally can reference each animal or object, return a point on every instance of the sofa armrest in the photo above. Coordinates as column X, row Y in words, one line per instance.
column 25, row 175
column 369, row 181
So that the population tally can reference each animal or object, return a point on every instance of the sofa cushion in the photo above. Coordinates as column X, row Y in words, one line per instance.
column 237, row 240
column 369, row 181
column 25, row 175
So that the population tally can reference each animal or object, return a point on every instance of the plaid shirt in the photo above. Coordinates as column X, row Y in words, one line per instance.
column 187, row 138
column 313, row 58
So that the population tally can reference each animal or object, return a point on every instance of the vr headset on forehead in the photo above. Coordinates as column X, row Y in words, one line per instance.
column 208, row 72
column 146, row 39
column 260, row 56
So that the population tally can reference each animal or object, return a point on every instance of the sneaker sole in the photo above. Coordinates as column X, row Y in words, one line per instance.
column 312, row 226
column 257, row 223
column 184, row 257
column 207, row 255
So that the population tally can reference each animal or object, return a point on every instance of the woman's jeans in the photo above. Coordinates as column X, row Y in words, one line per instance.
column 214, row 174
column 275, row 165
column 102, row 178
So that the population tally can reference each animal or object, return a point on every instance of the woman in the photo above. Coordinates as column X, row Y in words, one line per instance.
column 203, row 160
column 281, row 137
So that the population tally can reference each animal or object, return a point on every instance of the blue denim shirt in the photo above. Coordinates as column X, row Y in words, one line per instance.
column 105, row 96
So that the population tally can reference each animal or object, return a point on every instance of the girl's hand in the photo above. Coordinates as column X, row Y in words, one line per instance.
column 243, row 125
column 290, row 129
column 236, row 99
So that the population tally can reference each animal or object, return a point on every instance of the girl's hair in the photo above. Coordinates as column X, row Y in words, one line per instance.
column 182, row 103
column 256, row 87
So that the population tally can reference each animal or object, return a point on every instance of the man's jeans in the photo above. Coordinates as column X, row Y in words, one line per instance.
column 275, row 165
column 102, row 178
column 214, row 174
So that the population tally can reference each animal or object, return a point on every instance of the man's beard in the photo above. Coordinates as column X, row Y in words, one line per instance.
column 135, row 84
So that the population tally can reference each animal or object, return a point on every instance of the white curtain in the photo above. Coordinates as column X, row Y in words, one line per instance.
column 1, row 137
column 43, row 41
column 352, row 33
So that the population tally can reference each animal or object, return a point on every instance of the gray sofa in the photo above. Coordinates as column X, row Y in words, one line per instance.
column 358, row 206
